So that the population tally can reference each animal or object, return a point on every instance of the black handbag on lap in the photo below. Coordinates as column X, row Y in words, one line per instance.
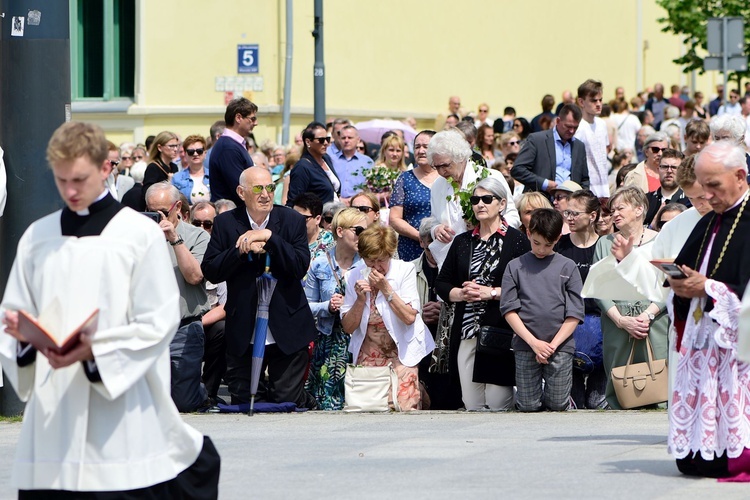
column 494, row 340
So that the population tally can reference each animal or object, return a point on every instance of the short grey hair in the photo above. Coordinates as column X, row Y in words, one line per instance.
column 138, row 170
column 671, row 112
column 734, row 124
column 730, row 156
column 449, row 143
column 163, row 187
column 468, row 129
column 426, row 227
column 224, row 205
column 332, row 207
column 648, row 129
column 656, row 137
column 494, row 186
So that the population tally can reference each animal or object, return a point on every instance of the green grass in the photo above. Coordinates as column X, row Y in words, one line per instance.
column 12, row 419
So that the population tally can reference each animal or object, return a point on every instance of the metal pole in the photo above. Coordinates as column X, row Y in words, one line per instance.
column 319, row 68
column 725, row 57
column 286, row 111
column 34, row 98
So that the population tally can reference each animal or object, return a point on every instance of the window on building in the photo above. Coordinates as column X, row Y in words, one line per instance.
column 102, row 45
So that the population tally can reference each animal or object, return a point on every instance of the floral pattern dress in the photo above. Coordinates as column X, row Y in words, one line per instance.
column 379, row 349
column 414, row 197
column 322, row 244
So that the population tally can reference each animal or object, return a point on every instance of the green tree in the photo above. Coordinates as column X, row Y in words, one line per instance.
column 688, row 18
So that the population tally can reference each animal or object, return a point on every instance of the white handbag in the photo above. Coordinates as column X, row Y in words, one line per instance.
column 366, row 388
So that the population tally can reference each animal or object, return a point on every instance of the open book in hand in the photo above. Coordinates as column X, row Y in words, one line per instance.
column 40, row 333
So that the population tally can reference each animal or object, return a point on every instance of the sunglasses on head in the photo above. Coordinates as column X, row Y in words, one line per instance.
column 657, row 149
column 257, row 189
column 364, row 209
column 191, row 152
column 205, row 224
column 486, row 199
column 357, row 229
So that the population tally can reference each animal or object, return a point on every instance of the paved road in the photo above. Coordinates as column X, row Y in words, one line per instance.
column 442, row 455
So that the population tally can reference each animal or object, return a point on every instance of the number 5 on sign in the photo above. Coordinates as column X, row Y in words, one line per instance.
column 247, row 58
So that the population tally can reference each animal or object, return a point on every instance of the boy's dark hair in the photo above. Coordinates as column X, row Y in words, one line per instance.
column 309, row 201
column 509, row 110
column 547, row 223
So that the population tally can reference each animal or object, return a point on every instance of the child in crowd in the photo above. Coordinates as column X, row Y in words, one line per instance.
column 541, row 300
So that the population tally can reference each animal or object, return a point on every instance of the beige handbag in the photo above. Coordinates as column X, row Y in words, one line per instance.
column 641, row 384
column 366, row 388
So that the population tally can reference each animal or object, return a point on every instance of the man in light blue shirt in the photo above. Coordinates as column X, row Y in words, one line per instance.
column 349, row 164
column 563, row 157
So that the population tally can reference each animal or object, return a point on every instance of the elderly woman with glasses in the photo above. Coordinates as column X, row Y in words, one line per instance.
column 470, row 278
column 325, row 288
column 646, row 174
column 381, row 311
column 164, row 150
column 314, row 172
column 449, row 154
column 193, row 181
column 625, row 321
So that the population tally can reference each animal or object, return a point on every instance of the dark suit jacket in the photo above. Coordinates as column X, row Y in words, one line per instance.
column 654, row 203
column 228, row 159
column 290, row 319
column 499, row 370
column 537, row 162
column 309, row 177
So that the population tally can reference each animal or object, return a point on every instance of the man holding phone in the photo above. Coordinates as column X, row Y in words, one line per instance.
column 187, row 244
column 712, row 399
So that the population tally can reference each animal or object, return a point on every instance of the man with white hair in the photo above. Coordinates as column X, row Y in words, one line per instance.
column 731, row 128
column 709, row 419
column 450, row 155
column 187, row 244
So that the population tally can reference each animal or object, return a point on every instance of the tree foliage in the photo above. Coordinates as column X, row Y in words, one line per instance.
column 689, row 18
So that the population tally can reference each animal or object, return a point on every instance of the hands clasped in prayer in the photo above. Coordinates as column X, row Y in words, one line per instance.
column 253, row 241
column 375, row 281
column 472, row 291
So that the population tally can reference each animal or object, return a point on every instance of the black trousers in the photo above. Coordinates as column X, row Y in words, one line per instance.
column 285, row 382
column 200, row 481
column 214, row 358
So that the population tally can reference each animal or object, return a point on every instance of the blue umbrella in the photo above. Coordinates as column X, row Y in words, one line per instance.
column 265, row 284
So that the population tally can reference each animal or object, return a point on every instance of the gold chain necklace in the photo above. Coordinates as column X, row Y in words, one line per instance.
column 698, row 313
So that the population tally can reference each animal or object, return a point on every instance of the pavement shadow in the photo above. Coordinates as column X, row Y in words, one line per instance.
column 662, row 468
column 614, row 439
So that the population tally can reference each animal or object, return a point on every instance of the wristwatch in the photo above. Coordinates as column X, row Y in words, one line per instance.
column 493, row 294
column 179, row 241
column 389, row 296
column 650, row 316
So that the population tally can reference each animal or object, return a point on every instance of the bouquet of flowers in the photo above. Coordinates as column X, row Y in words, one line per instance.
column 463, row 195
column 378, row 179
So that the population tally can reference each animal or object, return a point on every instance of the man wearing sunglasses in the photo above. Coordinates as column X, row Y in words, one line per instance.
column 229, row 156
column 244, row 242
column 187, row 245
column 551, row 157
column 117, row 184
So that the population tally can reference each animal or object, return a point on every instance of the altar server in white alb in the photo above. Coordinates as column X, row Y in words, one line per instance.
column 99, row 420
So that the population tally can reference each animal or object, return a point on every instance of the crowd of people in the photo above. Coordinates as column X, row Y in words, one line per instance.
column 495, row 265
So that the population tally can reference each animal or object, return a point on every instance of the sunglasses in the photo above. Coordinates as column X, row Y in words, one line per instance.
column 560, row 197
column 486, row 199
column 483, row 110
column 322, row 140
column 657, row 149
column 205, row 224
column 513, row 143
column 357, row 229
column 361, row 148
column 307, row 217
column 138, row 158
column 364, row 209
column 126, row 158
column 114, row 163
column 191, row 152
column 270, row 188
column 328, row 219
column 166, row 214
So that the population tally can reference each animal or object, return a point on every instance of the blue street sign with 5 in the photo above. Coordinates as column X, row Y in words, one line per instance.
column 247, row 58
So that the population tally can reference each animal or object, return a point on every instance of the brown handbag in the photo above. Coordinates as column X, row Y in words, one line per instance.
column 641, row 384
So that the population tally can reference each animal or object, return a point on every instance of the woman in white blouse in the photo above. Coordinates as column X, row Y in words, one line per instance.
column 381, row 311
